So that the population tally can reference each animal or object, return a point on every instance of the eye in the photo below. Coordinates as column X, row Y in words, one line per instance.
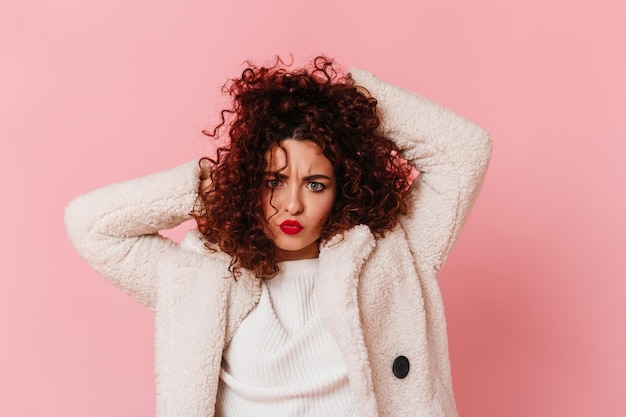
column 316, row 186
column 273, row 183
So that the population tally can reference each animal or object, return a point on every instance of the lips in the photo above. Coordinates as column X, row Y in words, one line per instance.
column 290, row 227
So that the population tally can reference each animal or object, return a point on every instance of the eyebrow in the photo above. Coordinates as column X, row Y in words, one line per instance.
column 307, row 178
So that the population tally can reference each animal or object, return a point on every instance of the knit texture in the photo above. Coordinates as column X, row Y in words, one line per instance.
column 282, row 361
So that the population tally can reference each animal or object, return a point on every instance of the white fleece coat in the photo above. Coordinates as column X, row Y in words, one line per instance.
column 379, row 298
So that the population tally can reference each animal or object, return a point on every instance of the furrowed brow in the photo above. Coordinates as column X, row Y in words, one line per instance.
column 274, row 174
column 317, row 177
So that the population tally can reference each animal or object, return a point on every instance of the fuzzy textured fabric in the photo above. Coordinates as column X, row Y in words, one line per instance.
column 378, row 298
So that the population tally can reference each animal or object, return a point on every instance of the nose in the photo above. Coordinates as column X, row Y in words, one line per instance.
column 293, row 203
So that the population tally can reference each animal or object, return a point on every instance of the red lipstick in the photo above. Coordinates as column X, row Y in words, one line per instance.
column 291, row 227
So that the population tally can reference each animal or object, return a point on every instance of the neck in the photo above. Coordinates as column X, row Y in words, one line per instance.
column 309, row 252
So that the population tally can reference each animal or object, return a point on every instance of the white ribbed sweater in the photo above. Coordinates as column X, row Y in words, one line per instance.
column 282, row 361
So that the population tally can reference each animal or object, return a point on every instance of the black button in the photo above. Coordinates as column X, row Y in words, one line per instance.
column 401, row 367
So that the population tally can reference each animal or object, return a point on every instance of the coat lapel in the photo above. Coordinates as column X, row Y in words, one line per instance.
column 336, row 293
column 198, row 307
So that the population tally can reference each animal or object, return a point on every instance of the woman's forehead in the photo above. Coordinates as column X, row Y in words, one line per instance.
column 296, row 152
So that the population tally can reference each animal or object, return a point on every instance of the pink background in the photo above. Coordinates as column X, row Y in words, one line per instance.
column 96, row 91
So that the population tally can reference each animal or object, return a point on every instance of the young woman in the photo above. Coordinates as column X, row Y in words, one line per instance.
column 309, row 287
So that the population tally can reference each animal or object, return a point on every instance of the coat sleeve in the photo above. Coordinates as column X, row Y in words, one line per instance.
column 115, row 228
column 451, row 154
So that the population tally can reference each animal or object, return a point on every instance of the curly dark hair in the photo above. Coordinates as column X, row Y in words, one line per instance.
column 320, row 104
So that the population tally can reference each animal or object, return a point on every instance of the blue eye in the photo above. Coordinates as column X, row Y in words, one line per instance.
column 273, row 183
column 316, row 186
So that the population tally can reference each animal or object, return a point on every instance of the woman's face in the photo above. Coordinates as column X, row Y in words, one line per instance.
column 298, row 195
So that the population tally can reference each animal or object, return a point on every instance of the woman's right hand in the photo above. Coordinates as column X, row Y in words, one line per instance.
column 205, row 177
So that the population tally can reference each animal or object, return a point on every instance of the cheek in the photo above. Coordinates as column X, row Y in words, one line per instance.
column 266, row 205
column 324, row 209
